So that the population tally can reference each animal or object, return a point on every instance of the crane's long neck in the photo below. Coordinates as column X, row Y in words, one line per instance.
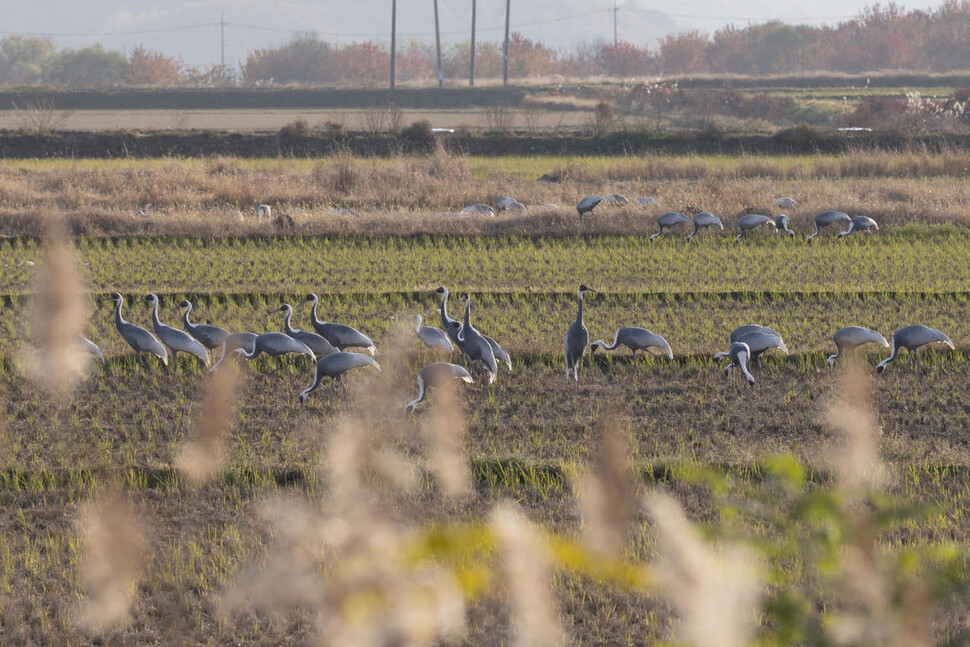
column 468, row 313
column 286, row 322
column 185, row 318
column 444, row 309
column 421, row 395
column 616, row 337
column 155, row 313
column 119, row 320
column 313, row 312
column 743, row 364
column 317, row 376
column 579, row 312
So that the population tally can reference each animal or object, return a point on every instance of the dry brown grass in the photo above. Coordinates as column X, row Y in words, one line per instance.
column 405, row 195
column 202, row 457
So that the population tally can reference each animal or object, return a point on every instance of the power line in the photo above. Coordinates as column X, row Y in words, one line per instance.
column 135, row 32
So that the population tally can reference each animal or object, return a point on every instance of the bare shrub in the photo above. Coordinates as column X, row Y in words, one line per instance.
column 603, row 118
column 498, row 118
column 373, row 120
column 395, row 118
column 532, row 117
column 296, row 129
column 40, row 118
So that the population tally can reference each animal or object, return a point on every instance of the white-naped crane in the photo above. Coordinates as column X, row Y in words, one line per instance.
column 647, row 202
column 508, row 203
column 617, row 200
column 860, row 223
column 140, row 340
column 912, row 338
column 433, row 376
column 341, row 336
column 851, row 337
column 209, row 336
column 264, row 211
column 474, row 344
column 478, row 209
column 177, row 341
column 828, row 218
column 751, row 222
column 781, row 224
column 669, row 220
column 275, row 344
column 636, row 339
column 759, row 339
column 500, row 353
column 446, row 321
column 738, row 353
column 235, row 341
column 576, row 338
column 705, row 220
column 318, row 344
column 90, row 347
column 587, row 204
column 334, row 366
column 784, row 203
column 433, row 338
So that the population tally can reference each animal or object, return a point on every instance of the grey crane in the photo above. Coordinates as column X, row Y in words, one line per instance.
column 341, row 336
column 784, row 203
column 500, row 354
column 264, row 211
column 911, row 338
column 140, row 340
column 647, row 202
column 851, row 337
column 635, row 339
column 827, row 218
column 738, row 353
column 211, row 337
column 749, row 222
column 508, row 203
column 433, row 338
column 176, row 340
column 667, row 220
column 446, row 321
column 334, row 366
column 860, row 223
column 781, row 224
column 759, row 340
column 275, row 344
column 587, row 204
column 478, row 209
column 474, row 344
column 233, row 342
column 319, row 345
column 617, row 200
column 433, row 376
column 705, row 220
column 576, row 338
column 90, row 347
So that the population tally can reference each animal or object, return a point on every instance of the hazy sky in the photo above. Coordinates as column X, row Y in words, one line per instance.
column 188, row 28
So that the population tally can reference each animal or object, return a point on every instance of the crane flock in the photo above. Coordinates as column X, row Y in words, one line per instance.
column 327, row 347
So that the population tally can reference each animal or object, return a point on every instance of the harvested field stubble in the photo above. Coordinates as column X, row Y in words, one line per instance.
column 409, row 195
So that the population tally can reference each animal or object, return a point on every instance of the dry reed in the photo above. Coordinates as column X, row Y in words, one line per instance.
column 445, row 434
column 114, row 550
column 606, row 494
column 58, row 318
column 527, row 569
column 716, row 594
column 202, row 457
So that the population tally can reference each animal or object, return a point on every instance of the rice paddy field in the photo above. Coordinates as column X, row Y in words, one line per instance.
column 654, row 502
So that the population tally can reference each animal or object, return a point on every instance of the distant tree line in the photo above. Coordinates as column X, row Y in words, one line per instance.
column 880, row 38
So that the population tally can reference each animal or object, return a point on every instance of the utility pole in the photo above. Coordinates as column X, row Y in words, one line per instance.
column 615, row 39
column 437, row 44
column 471, row 68
column 222, row 41
column 505, row 58
column 393, row 38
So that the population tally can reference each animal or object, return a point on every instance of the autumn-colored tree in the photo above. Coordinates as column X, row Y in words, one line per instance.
column 362, row 62
column 684, row 53
column 529, row 58
column 624, row 59
column 304, row 59
column 152, row 68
